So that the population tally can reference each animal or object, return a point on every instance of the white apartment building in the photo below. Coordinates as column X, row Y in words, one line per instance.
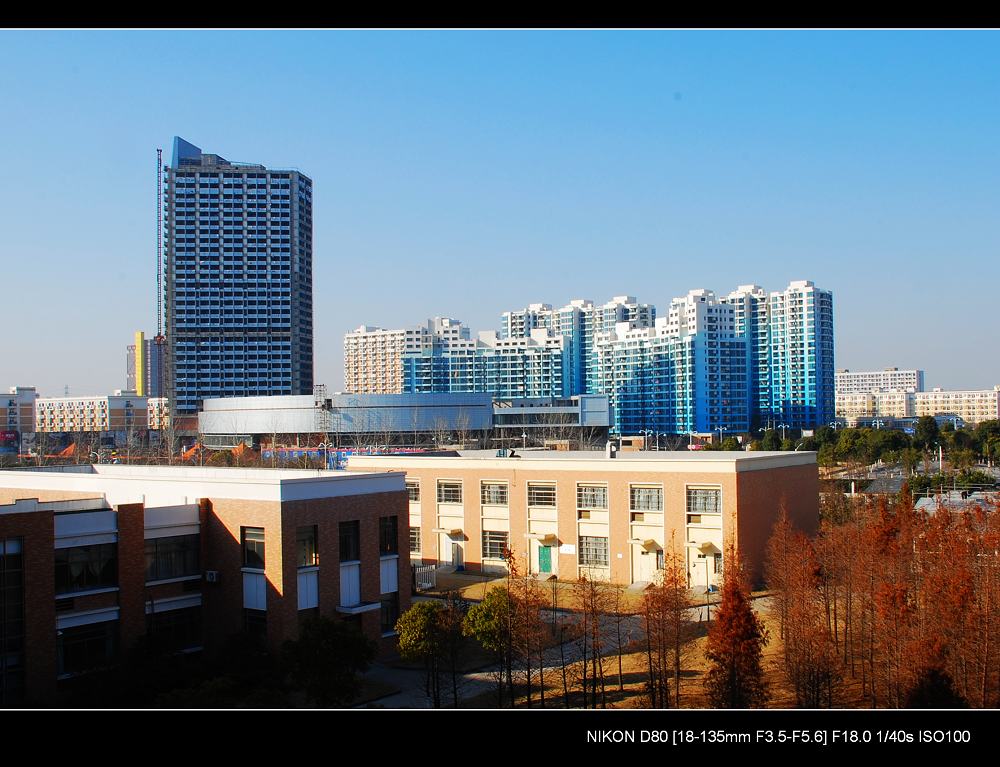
column 109, row 412
column 157, row 413
column 373, row 356
column 888, row 379
column 971, row 406
column 885, row 404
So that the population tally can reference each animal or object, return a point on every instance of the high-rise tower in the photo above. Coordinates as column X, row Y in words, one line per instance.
column 237, row 279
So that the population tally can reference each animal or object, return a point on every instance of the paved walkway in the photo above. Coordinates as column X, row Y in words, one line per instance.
column 410, row 681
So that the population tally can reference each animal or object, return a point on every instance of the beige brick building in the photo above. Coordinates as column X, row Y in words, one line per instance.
column 568, row 514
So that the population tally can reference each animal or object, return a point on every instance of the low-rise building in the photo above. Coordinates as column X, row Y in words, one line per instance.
column 972, row 406
column 570, row 514
column 95, row 557
column 122, row 411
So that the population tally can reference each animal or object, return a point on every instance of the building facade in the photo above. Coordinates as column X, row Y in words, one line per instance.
column 237, row 279
column 972, row 406
column 144, row 365
column 570, row 514
column 371, row 418
column 17, row 417
column 96, row 557
column 752, row 359
column 120, row 412
column 888, row 379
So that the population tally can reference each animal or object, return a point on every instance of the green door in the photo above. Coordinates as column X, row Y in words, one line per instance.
column 545, row 559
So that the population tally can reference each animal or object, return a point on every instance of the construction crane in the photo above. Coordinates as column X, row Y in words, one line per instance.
column 160, row 339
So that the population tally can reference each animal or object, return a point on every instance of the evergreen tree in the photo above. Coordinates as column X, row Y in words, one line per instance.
column 735, row 646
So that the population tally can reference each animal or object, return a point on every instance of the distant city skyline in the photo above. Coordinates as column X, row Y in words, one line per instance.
column 462, row 173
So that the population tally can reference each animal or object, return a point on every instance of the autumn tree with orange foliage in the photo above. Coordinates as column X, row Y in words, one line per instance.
column 736, row 645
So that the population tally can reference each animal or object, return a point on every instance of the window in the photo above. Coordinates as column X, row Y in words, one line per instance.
column 494, row 493
column 388, row 535
column 390, row 611
column 718, row 564
column 413, row 490
column 593, row 551
column 591, row 497
column 541, row 495
column 305, row 546
column 704, row 500
column 255, row 624
column 253, row 547
column 82, row 568
column 645, row 498
column 449, row 492
column 494, row 544
column 659, row 559
column 11, row 621
column 177, row 630
column 83, row 648
column 414, row 540
column 172, row 557
column 350, row 541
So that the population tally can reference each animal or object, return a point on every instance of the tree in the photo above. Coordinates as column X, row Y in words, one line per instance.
column 421, row 639
column 934, row 689
column 735, row 646
column 326, row 660
column 926, row 431
column 487, row 623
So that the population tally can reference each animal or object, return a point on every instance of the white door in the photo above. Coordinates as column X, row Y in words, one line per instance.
column 444, row 549
column 643, row 564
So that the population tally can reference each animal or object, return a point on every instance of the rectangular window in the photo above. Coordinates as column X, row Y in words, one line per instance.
column 493, row 493
column 593, row 551
column 494, row 544
column 305, row 546
column 541, row 495
column 388, row 535
column 172, row 557
column 82, row 568
column 704, row 500
column 177, row 630
column 449, row 492
column 85, row 648
column 718, row 564
column 645, row 498
column 591, row 497
column 11, row 621
column 255, row 624
column 390, row 611
column 414, row 540
column 413, row 490
column 253, row 547
column 350, row 541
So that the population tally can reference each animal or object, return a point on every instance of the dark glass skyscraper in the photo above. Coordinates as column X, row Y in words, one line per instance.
column 237, row 279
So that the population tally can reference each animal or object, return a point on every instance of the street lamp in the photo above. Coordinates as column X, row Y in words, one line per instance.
column 878, row 423
column 325, row 447
column 721, row 429
column 783, row 426
column 524, row 439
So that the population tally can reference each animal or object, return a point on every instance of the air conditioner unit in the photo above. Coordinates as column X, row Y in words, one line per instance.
column 212, row 576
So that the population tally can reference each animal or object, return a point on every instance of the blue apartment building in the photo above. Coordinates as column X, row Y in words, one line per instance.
column 237, row 279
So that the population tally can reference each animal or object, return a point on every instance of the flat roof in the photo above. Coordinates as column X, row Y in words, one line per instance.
column 166, row 485
column 641, row 460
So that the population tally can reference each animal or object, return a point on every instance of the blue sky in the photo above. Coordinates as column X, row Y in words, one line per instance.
column 465, row 173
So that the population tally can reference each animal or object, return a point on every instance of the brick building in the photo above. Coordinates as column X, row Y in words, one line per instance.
column 94, row 557
column 568, row 514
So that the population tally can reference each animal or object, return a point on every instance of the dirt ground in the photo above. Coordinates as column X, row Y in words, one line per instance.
column 634, row 674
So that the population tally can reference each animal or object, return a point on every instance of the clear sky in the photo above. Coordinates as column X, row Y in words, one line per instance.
column 465, row 173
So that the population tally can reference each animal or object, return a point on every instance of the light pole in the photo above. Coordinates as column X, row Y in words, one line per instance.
column 325, row 447
column 524, row 440
column 878, row 423
column 721, row 429
column 783, row 426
